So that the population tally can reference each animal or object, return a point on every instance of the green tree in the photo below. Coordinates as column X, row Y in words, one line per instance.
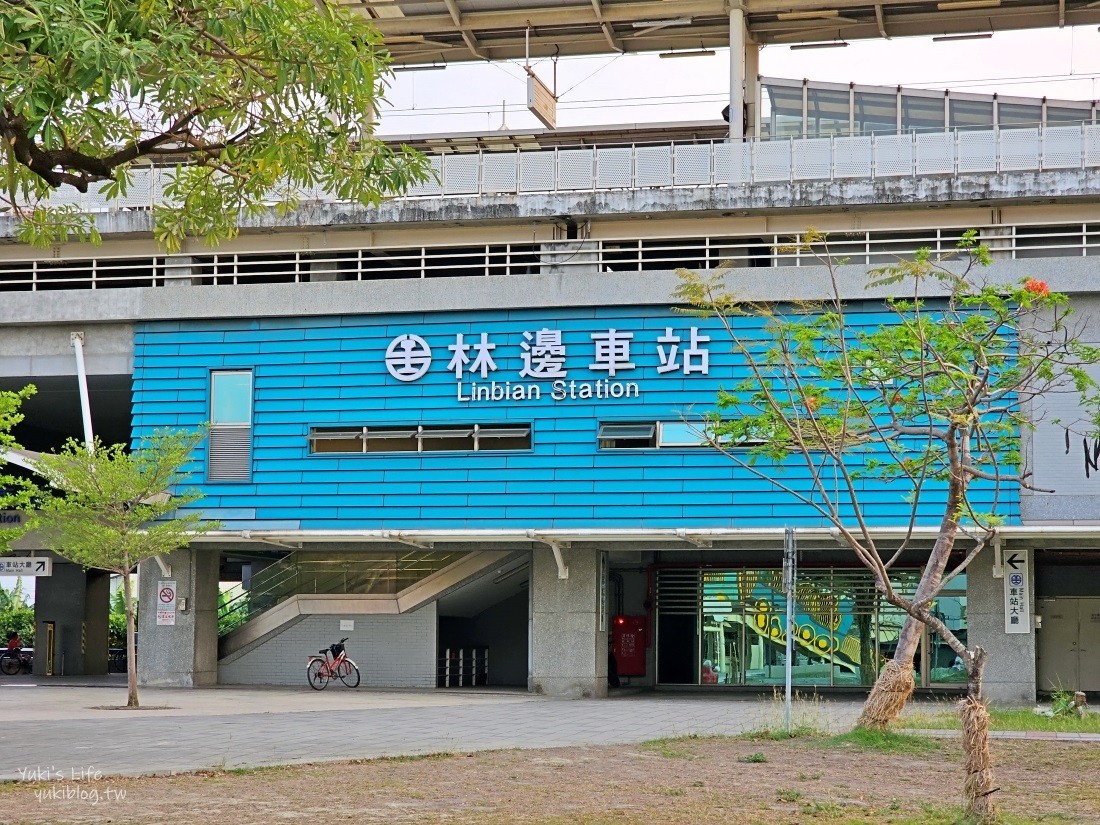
column 115, row 509
column 252, row 101
column 16, row 614
column 930, row 404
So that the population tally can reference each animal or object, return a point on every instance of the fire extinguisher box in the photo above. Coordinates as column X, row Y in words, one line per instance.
column 628, row 643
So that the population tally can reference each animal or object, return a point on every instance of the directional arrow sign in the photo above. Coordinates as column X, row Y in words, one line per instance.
column 26, row 566
column 1018, row 592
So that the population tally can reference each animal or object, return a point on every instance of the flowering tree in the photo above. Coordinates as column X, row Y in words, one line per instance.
column 931, row 403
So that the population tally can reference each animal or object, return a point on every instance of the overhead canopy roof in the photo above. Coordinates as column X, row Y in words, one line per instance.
column 427, row 31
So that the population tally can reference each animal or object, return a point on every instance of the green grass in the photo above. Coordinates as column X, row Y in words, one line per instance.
column 672, row 747
column 1002, row 719
column 753, row 757
column 883, row 742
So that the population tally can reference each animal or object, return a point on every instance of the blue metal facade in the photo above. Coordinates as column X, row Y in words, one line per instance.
column 332, row 372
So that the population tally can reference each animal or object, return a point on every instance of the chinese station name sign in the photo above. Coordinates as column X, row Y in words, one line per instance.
column 545, row 366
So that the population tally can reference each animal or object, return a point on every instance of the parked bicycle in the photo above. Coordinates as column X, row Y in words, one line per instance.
column 332, row 663
column 14, row 661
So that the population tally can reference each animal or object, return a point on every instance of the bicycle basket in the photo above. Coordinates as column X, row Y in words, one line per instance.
column 336, row 649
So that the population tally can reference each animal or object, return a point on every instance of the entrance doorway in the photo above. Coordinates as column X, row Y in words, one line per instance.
column 1069, row 644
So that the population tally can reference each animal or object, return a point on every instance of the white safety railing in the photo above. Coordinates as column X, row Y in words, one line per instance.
column 704, row 164
column 865, row 247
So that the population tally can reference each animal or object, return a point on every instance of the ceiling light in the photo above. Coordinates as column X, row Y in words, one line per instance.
column 833, row 45
column 693, row 53
column 425, row 67
column 955, row 5
column 808, row 15
column 660, row 24
column 944, row 38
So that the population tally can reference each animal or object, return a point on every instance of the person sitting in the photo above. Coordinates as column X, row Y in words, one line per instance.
column 14, row 641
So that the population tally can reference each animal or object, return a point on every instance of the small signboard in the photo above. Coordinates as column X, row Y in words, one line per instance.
column 166, row 603
column 541, row 101
column 347, row 624
column 1017, row 568
column 26, row 566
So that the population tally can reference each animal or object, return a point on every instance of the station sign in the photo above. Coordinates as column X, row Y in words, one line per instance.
column 26, row 566
column 1017, row 578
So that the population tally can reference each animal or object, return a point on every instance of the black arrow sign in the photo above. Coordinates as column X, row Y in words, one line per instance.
column 40, row 566
column 1014, row 561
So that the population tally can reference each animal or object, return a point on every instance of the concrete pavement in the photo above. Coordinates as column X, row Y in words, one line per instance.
column 64, row 727
column 67, row 726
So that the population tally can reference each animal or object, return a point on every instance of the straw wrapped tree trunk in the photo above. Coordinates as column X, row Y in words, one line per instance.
column 974, row 717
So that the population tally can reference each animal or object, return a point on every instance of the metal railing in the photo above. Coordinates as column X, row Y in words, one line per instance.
column 463, row 667
column 704, row 164
column 307, row 573
column 873, row 247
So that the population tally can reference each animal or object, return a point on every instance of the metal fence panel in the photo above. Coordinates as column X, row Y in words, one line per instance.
column 536, row 171
column 977, row 152
column 613, row 168
column 733, row 163
column 1019, row 149
column 460, row 174
column 653, row 166
column 852, row 157
column 811, row 158
column 893, row 155
column 936, row 153
column 771, row 160
column 432, row 186
column 1062, row 147
column 691, row 164
column 575, row 168
column 499, row 173
column 1092, row 145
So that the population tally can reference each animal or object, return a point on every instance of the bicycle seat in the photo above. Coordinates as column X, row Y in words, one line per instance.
column 323, row 650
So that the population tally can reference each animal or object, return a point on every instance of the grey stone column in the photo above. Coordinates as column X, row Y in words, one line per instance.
column 1010, row 673
column 568, row 648
column 184, row 654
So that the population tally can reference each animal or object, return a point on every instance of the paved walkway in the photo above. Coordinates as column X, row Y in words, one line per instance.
column 66, row 727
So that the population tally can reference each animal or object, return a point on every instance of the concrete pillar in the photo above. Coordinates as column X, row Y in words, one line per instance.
column 184, row 654
column 77, row 601
column 568, row 625
column 737, row 73
column 178, row 271
column 1010, row 673
column 752, row 88
column 569, row 258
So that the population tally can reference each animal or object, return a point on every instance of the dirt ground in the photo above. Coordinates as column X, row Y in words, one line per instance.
column 668, row 781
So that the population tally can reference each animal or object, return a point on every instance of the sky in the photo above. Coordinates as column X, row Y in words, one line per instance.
column 1057, row 63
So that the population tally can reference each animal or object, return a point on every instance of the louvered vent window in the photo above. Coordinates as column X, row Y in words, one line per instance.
column 230, row 455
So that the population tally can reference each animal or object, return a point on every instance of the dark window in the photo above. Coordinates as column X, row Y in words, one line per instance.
column 413, row 439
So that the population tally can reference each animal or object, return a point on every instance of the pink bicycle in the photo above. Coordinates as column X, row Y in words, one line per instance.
column 332, row 663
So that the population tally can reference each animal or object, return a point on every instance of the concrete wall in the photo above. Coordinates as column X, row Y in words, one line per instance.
column 1011, row 672
column 78, row 602
column 184, row 654
column 1063, row 458
column 568, row 648
column 390, row 650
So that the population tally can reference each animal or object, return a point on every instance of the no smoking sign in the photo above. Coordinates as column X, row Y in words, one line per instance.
column 166, row 603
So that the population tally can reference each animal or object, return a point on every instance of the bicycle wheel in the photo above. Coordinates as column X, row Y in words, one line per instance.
column 10, row 664
column 349, row 673
column 317, row 674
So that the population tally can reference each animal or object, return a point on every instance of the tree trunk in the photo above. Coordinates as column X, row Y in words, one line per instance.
column 131, row 645
column 974, row 716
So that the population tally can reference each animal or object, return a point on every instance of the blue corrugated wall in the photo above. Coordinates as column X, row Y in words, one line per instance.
column 330, row 371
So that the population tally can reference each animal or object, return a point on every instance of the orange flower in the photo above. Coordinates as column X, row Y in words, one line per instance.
column 1037, row 287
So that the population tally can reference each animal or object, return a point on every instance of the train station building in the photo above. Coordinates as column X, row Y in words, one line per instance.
column 455, row 428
